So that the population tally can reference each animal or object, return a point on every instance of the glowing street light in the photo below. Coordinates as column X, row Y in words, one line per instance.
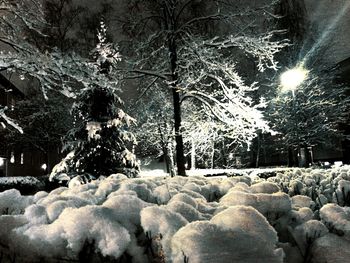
column 292, row 78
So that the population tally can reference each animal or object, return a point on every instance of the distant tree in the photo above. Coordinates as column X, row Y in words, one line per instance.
column 172, row 45
column 63, row 20
column 154, row 130
column 312, row 115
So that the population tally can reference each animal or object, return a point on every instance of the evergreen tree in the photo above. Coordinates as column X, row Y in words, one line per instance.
column 99, row 142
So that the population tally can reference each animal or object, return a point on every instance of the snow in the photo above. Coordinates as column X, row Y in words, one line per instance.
column 9, row 121
column 228, row 237
column 20, row 180
column 331, row 248
column 13, row 203
column 187, row 211
column 299, row 201
column 36, row 214
column 126, row 209
column 162, row 223
column 277, row 203
column 336, row 218
column 265, row 187
column 177, row 219
column 93, row 128
column 68, row 234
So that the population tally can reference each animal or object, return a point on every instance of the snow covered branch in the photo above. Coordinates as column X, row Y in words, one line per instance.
column 8, row 120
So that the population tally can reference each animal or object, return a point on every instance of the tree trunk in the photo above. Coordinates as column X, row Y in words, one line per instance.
column 258, row 152
column 213, row 154
column 171, row 26
column 263, row 147
column 223, row 153
column 304, row 156
column 291, row 157
column 180, row 158
column 170, row 159
column 167, row 151
column 193, row 155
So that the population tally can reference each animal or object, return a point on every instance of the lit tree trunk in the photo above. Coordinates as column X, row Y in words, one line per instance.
column 167, row 150
column 304, row 156
column 213, row 154
column 170, row 159
column 193, row 155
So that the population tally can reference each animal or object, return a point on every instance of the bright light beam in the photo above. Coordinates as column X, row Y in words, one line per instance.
column 326, row 33
column 292, row 78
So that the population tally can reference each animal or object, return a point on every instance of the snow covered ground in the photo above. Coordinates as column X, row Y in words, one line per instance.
column 301, row 215
column 206, row 172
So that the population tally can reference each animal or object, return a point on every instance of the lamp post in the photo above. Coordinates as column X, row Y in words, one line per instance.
column 290, row 80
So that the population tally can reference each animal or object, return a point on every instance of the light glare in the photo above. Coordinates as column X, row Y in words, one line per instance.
column 292, row 78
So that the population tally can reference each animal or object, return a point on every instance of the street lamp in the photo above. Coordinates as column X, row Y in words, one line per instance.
column 292, row 78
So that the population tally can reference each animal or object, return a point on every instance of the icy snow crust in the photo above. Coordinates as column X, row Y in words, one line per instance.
column 296, row 216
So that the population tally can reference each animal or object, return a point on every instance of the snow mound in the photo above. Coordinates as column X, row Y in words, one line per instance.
column 162, row 223
column 306, row 233
column 36, row 214
column 265, row 187
column 277, row 203
column 180, row 219
column 77, row 227
column 187, row 211
column 331, row 248
column 13, row 203
column 337, row 219
column 126, row 209
column 299, row 201
column 227, row 237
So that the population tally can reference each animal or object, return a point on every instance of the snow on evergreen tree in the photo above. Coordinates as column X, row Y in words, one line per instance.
column 99, row 142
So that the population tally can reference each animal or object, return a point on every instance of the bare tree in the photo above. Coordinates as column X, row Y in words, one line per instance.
column 173, row 42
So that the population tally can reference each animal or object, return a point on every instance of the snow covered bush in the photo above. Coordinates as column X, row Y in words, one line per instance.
column 322, row 186
column 337, row 219
column 13, row 203
column 25, row 184
column 330, row 248
column 179, row 219
column 272, row 205
column 228, row 237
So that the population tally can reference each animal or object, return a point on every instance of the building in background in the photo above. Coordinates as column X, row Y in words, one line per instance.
column 21, row 160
